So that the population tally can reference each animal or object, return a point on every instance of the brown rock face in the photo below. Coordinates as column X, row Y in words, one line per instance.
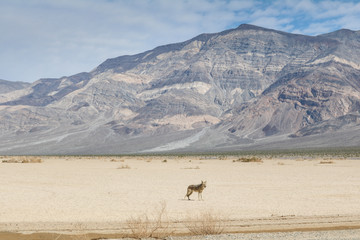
column 247, row 87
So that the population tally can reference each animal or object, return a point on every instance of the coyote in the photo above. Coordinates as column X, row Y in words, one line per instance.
column 196, row 188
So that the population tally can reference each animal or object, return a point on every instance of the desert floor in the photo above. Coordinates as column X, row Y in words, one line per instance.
column 100, row 194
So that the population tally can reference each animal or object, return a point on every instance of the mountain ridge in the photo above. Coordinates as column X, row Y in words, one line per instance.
column 242, row 88
column 9, row 86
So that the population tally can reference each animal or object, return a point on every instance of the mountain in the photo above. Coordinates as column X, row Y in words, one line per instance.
column 243, row 88
column 9, row 86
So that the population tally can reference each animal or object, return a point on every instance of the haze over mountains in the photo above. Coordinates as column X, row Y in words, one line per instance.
column 243, row 88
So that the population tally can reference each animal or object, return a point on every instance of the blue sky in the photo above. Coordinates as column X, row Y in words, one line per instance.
column 55, row 38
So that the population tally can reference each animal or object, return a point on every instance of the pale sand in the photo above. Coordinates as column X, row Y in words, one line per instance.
column 96, row 194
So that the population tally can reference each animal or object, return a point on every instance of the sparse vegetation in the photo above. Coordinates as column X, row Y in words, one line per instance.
column 124, row 167
column 117, row 160
column 326, row 162
column 306, row 153
column 334, row 152
column 248, row 159
column 157, row 226
column 206, row 223
column 197, row 167
column 23, row 159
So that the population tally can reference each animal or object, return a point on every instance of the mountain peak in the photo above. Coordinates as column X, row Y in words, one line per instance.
column 345, row 31
column 246, row 26
column 340, row 33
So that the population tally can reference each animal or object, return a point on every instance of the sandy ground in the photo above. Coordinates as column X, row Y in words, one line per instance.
column 98, row 194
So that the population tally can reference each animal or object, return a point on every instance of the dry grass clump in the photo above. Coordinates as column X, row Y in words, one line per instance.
column 23, row 159
column 124, row 167
column 157, row 226
column 326, row 162
column 117, row 160
column 249, row 159
column 206, row 223
column 197, row 167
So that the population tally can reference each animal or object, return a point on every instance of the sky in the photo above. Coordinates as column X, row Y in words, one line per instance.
column 55, row 38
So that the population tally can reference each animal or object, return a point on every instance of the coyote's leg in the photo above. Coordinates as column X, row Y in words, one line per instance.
column 200, row 196
column 189, row 192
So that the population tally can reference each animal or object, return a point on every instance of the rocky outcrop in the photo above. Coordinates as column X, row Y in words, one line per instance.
column 223, row 91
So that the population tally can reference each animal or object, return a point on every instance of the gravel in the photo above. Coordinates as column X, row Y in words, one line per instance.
column 316, row 235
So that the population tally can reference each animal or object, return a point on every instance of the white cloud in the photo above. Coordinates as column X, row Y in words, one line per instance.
column 316, row 28
column 273, row 23
column 307, row 6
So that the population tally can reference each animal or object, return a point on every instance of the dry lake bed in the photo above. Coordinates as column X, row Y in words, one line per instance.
column 58, row 197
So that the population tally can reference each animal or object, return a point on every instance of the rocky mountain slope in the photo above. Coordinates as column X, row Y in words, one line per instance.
column 9, row 86
column 243, row 88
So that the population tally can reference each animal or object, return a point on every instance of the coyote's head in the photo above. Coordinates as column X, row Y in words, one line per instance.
column 203, row 183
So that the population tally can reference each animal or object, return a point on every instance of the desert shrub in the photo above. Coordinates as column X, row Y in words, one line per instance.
column 31, row 160
column 157, row 226
column 23, row 159
column 248, row 159
column 206, row 223
column 124, row 167
column 326, row 162
column 117, row 160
